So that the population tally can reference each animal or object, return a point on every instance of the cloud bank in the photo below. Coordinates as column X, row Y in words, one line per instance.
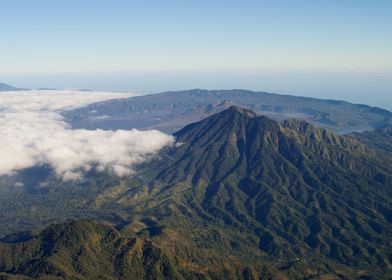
column 33, row 132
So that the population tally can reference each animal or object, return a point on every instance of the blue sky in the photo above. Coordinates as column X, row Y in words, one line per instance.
column 296, row 46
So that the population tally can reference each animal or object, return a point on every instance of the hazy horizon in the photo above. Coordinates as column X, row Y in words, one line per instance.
column 323, row 49
column 357, row 87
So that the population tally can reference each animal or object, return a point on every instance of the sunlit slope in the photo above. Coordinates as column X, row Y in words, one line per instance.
column 251, row 187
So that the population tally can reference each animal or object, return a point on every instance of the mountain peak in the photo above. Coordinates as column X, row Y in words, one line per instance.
column 240, row 110
column 296, row 187
column 232, row 120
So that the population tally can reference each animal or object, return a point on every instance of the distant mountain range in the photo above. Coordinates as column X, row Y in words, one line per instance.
column 6, row 87
column 170, row 111
column 241, row 196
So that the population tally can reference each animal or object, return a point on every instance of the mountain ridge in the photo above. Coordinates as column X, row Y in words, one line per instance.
column 242, row 190
column 170, row 111
column 283, row 190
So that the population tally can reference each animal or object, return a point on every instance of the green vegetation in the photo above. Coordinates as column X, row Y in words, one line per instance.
column 90, row 250
column 242, row 197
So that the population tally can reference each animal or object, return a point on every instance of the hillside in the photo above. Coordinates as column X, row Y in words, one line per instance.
column 170, row 111
column 90, row 250
column 86, row 250
column 240, row 195
column 246, row 186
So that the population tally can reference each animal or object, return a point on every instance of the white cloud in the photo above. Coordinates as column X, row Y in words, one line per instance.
column 33, row 132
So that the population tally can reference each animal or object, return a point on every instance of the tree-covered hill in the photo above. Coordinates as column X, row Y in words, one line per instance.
column 89, row 250
column 248, row 186
column 239, row 196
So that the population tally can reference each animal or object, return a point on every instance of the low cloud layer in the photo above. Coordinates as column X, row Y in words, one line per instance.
column 33, row 132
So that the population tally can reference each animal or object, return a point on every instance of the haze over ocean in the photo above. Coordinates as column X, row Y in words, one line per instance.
column 325, row 49
column 367, row 88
